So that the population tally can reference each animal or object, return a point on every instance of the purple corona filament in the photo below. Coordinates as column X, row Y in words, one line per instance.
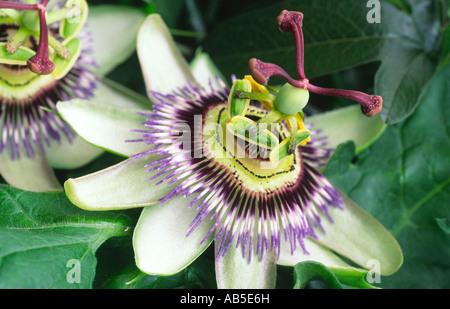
column 261, row 71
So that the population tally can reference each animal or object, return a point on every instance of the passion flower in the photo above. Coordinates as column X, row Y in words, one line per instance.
column 199, row 182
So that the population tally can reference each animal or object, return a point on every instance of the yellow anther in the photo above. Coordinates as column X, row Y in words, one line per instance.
column 258, row 88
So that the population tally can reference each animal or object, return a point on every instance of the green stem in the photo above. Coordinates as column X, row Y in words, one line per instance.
column 274, row 116
column 17, row 40
column 60, row 14
column 186, row 33
column 259, row 96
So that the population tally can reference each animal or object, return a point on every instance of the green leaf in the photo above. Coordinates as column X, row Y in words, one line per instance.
column 444, row 224
column 445, row 49
column 426, row 17
column 46, row 242
column 170, row 10
column 308, row 271
column 403, row 181
column 255, row 34
column 198, row 275
column 337, row 36
column 401, row 79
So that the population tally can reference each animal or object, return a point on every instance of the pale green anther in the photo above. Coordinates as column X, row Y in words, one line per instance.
column 75, row 18
column 283, row 149
column 238, row 106
column 62, row 66
column 252, row 132
column 59, row 48
column 291, row 100
column 294, row 128
column 302, row 135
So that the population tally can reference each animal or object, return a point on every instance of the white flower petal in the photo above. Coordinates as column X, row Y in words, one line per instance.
column 160, row 242
column 205, row 71
column 316, row 252
column 114, row 30
column 32, row 174
column 121, row 186
column 345, row 124
column 163, row 66
column 110, row 93
column 71, row 155
column 104, row 126
column 233, row 271
column 359, row 237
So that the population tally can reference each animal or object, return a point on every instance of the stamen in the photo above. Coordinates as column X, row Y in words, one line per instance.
column 17, row 40
column 60, row 49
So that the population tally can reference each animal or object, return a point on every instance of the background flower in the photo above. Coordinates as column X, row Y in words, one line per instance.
column 45, row 142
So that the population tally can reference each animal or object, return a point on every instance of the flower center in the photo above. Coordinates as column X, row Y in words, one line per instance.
column 248, row 162
column 55, row 53
column 14, row 77
column 219, row 144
